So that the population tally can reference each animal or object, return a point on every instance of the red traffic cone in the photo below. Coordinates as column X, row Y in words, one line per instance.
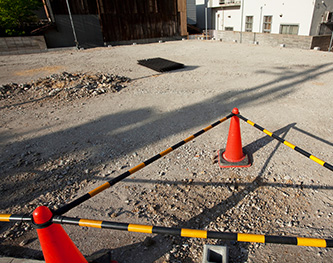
column 56, row 245
column 233, row 155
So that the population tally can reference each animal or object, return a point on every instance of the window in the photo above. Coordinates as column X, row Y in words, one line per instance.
column 267, row 26
column 289, row 29
column 229, row 28
column 248, row 24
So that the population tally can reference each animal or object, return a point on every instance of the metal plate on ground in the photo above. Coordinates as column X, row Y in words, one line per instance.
column 160, row 64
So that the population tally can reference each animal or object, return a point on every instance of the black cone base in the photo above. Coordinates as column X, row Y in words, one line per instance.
column 223, row 163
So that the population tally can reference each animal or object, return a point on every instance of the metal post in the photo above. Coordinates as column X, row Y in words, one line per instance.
column 260, row 19
column 329, row 49
column 241, row 31
column 72, row 23
column 206, row 21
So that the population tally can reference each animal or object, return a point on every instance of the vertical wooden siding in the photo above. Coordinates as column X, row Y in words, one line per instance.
column 123, row 20
column 78, row 7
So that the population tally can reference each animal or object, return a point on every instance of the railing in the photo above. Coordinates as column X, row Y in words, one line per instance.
column 230, row 2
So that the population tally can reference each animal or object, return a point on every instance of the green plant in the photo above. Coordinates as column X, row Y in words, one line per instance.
column 15, row 15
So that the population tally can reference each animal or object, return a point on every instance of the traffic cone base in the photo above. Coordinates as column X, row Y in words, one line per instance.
column 223, row 163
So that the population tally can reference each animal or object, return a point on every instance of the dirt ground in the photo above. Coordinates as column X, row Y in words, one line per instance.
column 54, row 149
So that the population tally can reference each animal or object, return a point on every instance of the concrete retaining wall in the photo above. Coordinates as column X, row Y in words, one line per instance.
column 22, row 45
column 290, row 41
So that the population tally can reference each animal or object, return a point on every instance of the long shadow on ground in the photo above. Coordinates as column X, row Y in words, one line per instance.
column 200, row 221
column 115, row 135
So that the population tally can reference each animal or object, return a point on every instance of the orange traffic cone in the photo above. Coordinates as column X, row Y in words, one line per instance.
column 56, row 245
column 233, row 155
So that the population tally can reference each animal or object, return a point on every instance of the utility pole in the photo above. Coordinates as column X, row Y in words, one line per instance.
column 260, row 19
column 241, row 31
column 206, row 21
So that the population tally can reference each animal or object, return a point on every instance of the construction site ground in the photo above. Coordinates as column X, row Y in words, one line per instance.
column 56, row 146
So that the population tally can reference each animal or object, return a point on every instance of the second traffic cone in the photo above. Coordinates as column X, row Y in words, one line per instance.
column 234, row 155
column 56, row 245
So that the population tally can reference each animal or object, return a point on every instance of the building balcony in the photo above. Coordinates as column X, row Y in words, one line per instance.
column 230, row 2
column 223, row 3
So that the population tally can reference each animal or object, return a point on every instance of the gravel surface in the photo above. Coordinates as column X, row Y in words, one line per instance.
column 75, row 119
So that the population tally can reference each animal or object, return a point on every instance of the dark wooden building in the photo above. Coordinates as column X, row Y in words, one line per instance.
column 107, row 21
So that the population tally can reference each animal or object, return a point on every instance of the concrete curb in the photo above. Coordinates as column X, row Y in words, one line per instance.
column 19, row 260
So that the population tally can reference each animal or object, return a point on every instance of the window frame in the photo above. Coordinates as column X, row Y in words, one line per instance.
column 249, row 22
column 269, row 24
column 289, row 31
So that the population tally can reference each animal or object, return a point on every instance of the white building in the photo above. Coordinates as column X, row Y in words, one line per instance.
column 298, row 17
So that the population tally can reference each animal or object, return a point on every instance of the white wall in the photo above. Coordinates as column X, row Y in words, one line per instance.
column 294, row 12
column 228, row 18
column 213, row 3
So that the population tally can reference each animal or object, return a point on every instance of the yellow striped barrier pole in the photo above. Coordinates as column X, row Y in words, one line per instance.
column 124, row 175
column 12, row 218
column 183, row 232
column 195, row 233
column 290, row 145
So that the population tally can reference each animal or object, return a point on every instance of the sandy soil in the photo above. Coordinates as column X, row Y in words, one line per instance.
column 53, row 150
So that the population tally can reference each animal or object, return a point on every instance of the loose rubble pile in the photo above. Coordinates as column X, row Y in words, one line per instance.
column 65, row 86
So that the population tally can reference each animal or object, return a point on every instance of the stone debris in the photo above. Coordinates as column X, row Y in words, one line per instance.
column 67, row 86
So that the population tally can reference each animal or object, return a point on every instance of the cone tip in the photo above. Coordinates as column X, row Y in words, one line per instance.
column 235, row 111
column 42, row 214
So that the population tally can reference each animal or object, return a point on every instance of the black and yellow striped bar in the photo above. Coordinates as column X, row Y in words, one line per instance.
column 13, row 218
column 183, row 232
column 290, row 145
column 195, row 233
column 124, row 175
